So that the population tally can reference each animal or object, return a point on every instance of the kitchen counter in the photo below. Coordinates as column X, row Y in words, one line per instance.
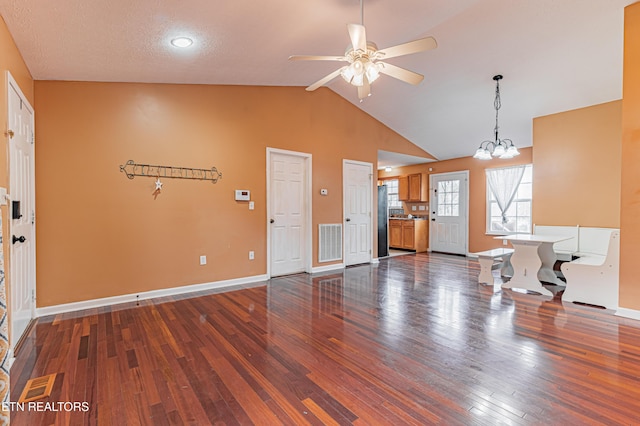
column 409, row 234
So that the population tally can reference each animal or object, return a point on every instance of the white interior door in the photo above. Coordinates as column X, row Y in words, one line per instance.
column 288, row 214
column 22, row 220
column 358, row 187
column 449, row 206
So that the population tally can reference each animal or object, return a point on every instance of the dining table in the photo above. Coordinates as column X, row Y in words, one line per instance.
column 533, row 260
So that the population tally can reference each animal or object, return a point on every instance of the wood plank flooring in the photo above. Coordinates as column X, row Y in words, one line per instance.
column 415, row 341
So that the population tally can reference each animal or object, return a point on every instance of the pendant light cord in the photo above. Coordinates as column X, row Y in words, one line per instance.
column 362, row 12
column 497, row 104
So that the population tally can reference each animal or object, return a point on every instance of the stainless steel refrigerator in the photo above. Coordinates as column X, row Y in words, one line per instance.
column 383, row 222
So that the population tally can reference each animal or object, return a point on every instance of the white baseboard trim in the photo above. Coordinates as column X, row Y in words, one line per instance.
column 375, row 261
column 628, row 313
column 327, row 268
column 125, row 298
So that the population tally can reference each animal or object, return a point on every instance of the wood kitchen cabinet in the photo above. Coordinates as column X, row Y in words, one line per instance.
column 395, row 233
column 408, row 234
column 403, row 188
column 414, row 188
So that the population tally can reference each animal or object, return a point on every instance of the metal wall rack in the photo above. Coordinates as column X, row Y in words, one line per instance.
column 132, row 169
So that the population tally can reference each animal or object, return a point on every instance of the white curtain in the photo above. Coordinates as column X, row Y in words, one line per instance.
column 503, row 184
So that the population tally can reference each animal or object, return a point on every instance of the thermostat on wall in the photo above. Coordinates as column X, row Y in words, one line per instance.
column 243, row 195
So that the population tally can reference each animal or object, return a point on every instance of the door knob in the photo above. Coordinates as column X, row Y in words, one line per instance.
column 271, row 221
column 433, row 220
column 21, row 239
column 348, row 220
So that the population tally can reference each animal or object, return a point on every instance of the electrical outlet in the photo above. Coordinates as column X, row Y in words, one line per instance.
column 251, row 255
column 203, row 260
column 422, row 208
column 414, row 208
column 504, row 242
column 252, row 205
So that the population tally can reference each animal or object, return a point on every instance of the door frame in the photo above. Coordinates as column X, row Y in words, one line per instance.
column 344, row 208
column 308, row 196
column 432, row 196
column 12, row 84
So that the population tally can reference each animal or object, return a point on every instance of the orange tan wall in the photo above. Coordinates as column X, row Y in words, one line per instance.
column 101, row 234
column 478, row 240
column 630, row 196
column 576, row 173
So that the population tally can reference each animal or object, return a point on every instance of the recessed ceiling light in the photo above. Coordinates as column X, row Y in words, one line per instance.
column 182, row 42
column 387, row 169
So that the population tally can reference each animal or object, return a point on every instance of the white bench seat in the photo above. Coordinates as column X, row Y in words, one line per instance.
column 594, row 277
column 494, row 259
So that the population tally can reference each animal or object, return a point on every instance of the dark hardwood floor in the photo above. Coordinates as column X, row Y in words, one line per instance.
column 415, row 340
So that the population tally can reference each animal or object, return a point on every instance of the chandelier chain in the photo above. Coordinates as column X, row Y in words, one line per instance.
column 497, row 104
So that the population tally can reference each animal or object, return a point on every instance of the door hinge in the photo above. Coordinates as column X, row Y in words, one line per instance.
column 33, row 138
column 33, row 295
column 33, row 217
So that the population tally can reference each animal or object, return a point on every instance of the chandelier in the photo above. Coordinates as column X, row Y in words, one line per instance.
column 502, row 148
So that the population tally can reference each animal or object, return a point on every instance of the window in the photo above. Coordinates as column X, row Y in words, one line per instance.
column 392, row 194
column 449, row 198
column 517, row 218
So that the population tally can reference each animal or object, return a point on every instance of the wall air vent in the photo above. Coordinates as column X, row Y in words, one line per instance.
column 329, row 242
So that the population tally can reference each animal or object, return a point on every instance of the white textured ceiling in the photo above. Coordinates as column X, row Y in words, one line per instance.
column 555, row 55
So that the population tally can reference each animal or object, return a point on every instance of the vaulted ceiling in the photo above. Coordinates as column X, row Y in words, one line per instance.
column 555, row 55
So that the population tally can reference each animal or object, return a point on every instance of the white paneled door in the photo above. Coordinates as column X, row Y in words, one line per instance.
column 449, row 212
column 288, row 215
column 21, row 211
column 358, row 187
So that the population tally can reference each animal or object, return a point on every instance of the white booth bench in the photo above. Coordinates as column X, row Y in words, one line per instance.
column 593, row 278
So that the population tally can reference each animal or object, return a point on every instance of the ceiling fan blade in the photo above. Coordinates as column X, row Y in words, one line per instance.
column 358, row 37
column 316, row 58
column 324, row 80
column 400, row 73
column 364, row 91
column 415, row 46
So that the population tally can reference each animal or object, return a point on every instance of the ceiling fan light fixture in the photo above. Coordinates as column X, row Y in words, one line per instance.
column 371, row 71
column 354, row 73
column 358, row 80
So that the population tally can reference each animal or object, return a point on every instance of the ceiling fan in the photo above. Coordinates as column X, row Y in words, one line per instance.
column 365, row 61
